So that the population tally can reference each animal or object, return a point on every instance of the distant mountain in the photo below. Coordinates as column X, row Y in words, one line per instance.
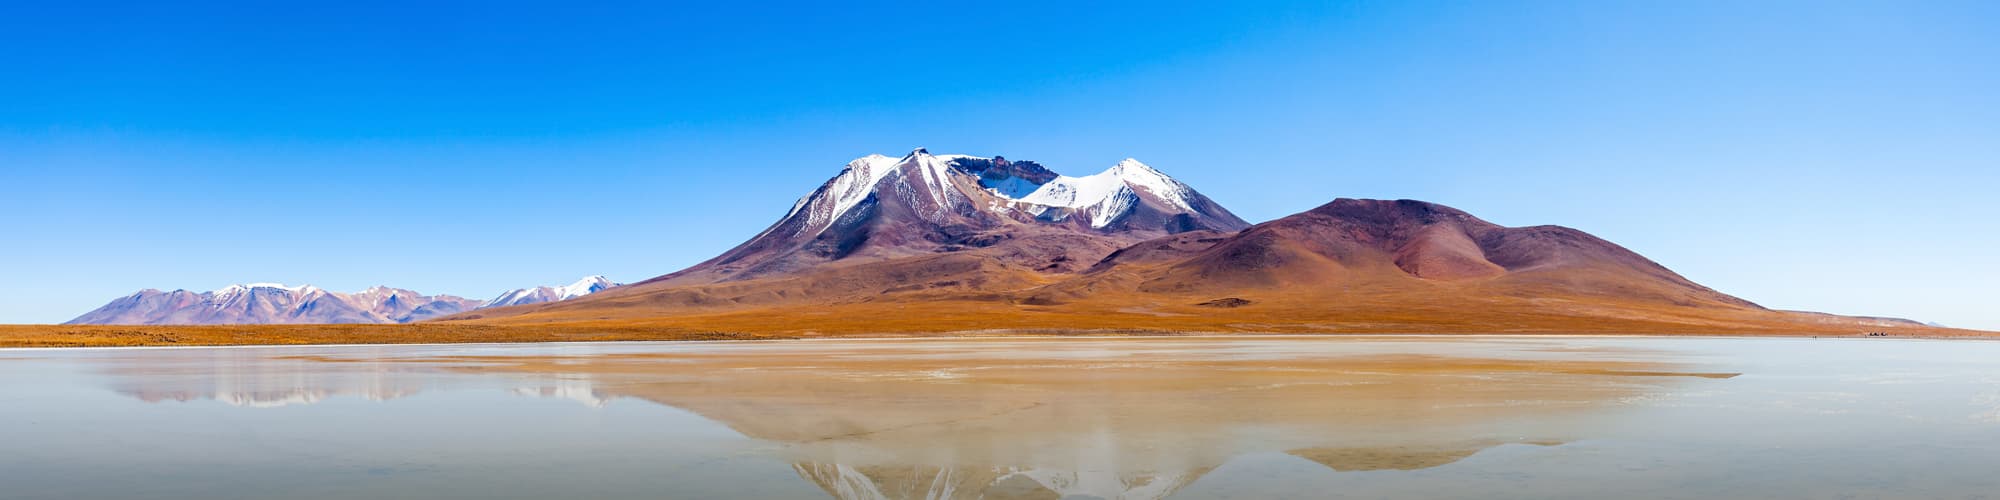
column 403, row 306
column 940, row 243
column 523, row 296
column 271, row 303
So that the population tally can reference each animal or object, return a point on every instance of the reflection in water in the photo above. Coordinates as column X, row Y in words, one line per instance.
column 987, row 419
column 848, row 481
column 1391, row 417
column 240, row 378
column 236, row 378
column 576, row 388
column 994, row 419
column 1133, row 420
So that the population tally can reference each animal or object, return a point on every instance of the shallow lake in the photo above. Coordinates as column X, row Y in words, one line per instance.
column 1175, row 417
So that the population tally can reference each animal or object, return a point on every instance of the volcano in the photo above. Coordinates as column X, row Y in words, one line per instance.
column 955, row 243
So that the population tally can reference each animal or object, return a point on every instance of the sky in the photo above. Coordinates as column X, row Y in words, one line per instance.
column 1832, row 156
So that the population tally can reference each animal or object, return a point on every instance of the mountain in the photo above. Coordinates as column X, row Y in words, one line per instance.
column 1018, row 212
column 949, row 243
column 397, row 305
column 1382, row 245
column 523, row 296
column 271, row 303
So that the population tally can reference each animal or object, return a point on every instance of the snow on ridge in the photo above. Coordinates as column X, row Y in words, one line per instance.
column 936, row 174
column 586, row 286
column 1110, row 194
column 1012, row 188
column 924, row 180
column 1143, row 176
column 244, row 287
column 269, row 303
column 862, row 176
column 536, row 295
column 846, row 190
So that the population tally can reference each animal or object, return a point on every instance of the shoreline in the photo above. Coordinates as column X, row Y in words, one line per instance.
column 952, row 336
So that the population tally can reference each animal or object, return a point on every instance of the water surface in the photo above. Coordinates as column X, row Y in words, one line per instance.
column 1234, row 417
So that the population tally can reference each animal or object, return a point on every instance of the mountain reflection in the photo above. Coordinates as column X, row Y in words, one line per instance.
column 242, row 377
column 245, row 378
column 973, row 419
column 581, row 390
column 1077, row 420
column 882, row 482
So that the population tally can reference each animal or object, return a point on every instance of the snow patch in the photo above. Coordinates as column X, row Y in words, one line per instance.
column 1012, row 188
column 1110, row 194
column 586, row 286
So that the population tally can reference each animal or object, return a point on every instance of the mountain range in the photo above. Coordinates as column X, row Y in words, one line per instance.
column 271, row 303
column 953, row 243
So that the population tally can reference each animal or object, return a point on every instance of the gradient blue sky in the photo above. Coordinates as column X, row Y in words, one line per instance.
column 1837, row 156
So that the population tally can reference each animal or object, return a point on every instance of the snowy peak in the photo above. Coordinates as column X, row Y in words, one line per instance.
column 523, row 296
column 930, row 190
column 274, row 303
column 854, row 185
column 266, row 287
column 1144, row 178
column 924, row 203
column 586, row 286
column 1109, row 196
column 919, row 180
column 925, row 183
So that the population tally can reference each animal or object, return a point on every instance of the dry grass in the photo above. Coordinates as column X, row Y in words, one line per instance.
column 1395, row 308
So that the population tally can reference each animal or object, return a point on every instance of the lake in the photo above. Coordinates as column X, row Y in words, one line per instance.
column 1157, row 417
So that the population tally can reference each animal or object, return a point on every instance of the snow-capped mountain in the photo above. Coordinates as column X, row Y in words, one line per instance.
column 403, row 306
column 272, row 303
column 884, row 207
column 938, row 187
column 522, row 296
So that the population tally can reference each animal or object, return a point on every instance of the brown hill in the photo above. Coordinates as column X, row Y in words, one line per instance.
column 1405, row 243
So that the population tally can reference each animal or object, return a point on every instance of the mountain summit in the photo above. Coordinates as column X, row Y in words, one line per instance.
column 880, row 207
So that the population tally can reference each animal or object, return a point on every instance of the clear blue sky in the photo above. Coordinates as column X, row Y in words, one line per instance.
column 1837, row 156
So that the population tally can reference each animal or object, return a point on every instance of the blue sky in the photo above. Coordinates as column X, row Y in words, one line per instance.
column 1835, row 156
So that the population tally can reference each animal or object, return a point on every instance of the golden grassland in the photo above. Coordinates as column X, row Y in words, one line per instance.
column 1383, row 309
column 958, row 317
